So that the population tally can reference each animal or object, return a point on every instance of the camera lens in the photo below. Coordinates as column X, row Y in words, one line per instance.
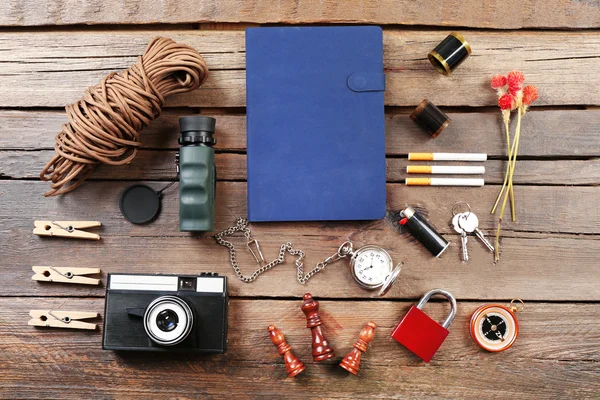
column 167, row 320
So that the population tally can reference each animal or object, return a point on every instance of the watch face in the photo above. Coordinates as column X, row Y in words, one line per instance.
column 370, row 266
column 494, row 327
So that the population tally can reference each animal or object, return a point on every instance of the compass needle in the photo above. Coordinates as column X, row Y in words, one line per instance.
column 488, row 319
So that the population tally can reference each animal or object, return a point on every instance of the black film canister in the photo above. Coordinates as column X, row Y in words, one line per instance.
column 425, row 233
column 450, row 53
column 430, row 118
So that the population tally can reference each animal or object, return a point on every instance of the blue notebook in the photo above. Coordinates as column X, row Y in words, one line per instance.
column 315, row 121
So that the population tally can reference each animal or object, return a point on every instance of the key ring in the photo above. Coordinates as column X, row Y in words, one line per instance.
column 459, row 203
column 515, row 307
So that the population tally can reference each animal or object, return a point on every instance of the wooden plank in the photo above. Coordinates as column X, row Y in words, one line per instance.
column 555, row 172
column 160, row 165
column 539, row 208
column 557, row 263
column 563, row 268
column 71, row 365
column 546, row 133
column 148, row 165
column 36, row 130
column 74, row 51
column 60, row 74
column 492, row 14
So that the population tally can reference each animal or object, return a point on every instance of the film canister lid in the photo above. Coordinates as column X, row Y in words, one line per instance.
column 140, row 204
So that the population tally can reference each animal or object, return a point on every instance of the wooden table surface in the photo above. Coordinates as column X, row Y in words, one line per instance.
column 50, row 51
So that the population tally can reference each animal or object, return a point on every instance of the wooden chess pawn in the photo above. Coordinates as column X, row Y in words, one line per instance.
column 351, row 362
column 321, row 349
column 293, row 365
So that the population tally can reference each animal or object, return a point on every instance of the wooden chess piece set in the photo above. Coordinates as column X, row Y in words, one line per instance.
column 321, row 349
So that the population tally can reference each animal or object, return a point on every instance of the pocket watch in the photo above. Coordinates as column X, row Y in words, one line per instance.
column 494, row 327
column 371, row 267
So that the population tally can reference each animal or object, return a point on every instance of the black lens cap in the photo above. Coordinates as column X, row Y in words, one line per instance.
column 140, row 204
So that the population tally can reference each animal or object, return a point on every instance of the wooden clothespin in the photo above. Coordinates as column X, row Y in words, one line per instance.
column 65, row 275
column 66, row 229
column 62, row 319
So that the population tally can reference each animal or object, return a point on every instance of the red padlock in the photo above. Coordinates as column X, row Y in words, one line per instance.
column 419, row 333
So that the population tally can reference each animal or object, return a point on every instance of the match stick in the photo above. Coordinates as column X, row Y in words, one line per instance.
column 444, row 182
column 445, row 169
column 447, row 156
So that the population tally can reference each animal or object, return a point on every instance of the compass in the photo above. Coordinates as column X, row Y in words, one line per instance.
column 494, row 327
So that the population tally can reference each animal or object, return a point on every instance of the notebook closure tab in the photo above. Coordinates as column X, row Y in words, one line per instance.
column 366, row 82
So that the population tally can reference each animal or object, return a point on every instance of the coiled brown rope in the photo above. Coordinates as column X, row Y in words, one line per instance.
column 104, row 124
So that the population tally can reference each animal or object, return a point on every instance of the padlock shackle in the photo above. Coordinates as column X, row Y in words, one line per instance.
column 448, row 296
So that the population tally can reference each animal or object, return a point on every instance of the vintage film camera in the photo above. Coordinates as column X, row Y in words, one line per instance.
column 166, row 313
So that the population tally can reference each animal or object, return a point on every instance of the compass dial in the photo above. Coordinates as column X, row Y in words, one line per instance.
column 494, row 327
column 371, row 265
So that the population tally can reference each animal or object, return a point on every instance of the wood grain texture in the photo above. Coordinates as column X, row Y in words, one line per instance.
column 543, row 248
column 534, row 267
column 52, row 69
column 71, row 365
column 97, row 200
column 160, row 165
column 550, row 133
column 491, row 14
column 549, row 257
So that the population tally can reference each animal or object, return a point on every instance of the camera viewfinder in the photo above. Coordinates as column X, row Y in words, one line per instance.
column 187, row 284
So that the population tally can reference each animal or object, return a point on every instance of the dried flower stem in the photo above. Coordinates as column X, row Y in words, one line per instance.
column 515, row 153
column 512, row 161
column 506, row 175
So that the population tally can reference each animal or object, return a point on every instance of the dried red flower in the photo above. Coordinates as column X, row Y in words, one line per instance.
column 506, row 101
column 515, row 78
column 515, row 81
column 499, row 81
column 530, row 94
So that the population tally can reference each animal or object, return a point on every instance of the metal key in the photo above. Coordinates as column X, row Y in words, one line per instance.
column 463, row 237
column 470, row 223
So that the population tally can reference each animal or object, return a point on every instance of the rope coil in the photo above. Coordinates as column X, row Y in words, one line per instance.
column 104, row 124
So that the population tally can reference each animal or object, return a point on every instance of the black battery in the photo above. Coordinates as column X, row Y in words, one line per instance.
column 423, row 231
